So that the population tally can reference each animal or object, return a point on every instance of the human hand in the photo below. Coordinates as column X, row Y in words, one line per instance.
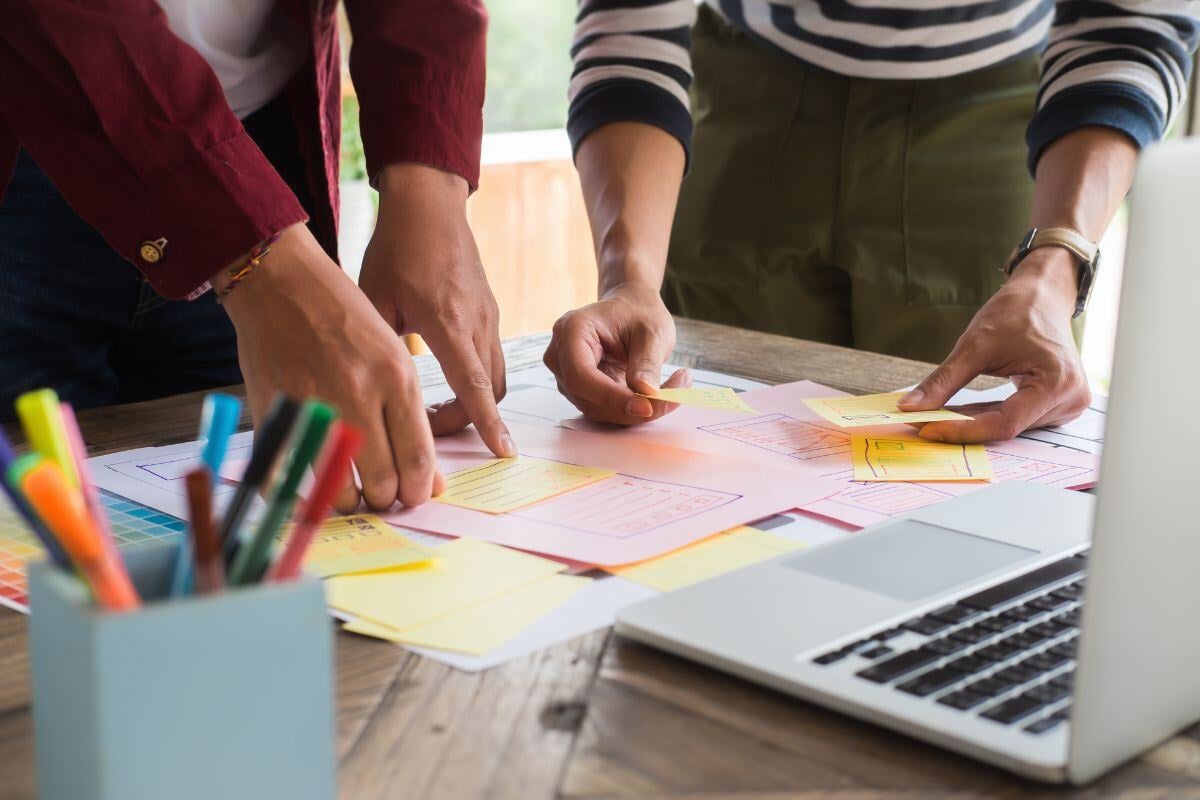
column 605, row 355
column 305, row 329
column 422, row 271
column 1024, row 333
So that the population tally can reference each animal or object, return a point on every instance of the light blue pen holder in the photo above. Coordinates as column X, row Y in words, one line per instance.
column 223, row 696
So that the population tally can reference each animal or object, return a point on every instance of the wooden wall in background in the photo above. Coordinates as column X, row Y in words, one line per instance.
column 533, row 236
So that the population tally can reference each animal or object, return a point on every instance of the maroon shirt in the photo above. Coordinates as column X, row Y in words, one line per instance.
column 131, row 124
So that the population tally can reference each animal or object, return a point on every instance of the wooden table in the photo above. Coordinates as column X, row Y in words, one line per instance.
column 600, row 716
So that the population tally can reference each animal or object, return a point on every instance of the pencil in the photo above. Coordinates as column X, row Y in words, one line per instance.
column 343, row 445
column 210, row 569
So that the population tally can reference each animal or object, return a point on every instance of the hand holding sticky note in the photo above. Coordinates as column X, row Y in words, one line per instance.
column 506, row 484
column 913, row 459
column 873, row 409
column 718, row 398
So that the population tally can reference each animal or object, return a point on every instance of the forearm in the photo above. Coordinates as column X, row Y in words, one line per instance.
column 1082, row 179
column 630, row 174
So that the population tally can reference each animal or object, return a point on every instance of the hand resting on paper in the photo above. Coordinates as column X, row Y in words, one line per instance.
column 607, row 354
column 305, row 329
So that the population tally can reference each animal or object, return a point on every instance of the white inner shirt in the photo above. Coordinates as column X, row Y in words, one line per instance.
column 252, row 46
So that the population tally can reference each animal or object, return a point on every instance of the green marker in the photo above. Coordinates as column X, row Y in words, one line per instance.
column 252, row 556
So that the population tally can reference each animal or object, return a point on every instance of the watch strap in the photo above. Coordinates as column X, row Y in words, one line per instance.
column 1084, row 249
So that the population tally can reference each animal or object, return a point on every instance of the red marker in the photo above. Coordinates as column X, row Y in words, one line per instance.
column 344, row 442
column 210, row 567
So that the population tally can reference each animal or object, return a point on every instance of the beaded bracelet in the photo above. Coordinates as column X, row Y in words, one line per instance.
column 253, row 259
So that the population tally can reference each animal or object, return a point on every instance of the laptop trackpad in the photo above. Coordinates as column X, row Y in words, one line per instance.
column 909, row 560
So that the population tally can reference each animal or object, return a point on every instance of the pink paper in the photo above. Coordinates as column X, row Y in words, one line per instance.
column 660, row 500
column 787, row 434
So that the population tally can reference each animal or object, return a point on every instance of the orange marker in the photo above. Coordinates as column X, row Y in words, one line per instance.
column 62, row 509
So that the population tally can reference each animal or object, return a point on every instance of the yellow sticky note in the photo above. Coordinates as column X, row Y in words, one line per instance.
column 905, row 459
column 464, row 572
column 485, row 626
column 716, row 397
column 873, row 409
column 707, row 558
column 346, row 545
column 506, row 484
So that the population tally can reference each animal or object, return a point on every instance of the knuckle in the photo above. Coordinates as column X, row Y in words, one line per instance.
column 479, row 380
column 418, row 463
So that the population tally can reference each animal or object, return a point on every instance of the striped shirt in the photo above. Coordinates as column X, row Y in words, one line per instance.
column 1118, row 63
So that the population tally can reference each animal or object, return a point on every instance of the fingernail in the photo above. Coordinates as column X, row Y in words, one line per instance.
column 507, row 445
column 639, row 407
column 915, row 396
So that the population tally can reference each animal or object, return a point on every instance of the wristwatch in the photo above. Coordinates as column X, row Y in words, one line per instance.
column 1085, row 251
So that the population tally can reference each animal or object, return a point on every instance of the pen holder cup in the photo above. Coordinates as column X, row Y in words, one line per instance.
column 228, row 695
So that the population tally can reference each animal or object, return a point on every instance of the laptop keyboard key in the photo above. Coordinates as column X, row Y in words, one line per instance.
column 972, row 635
column 999, row 624
column 1045, row 661
column 1048, row 693
column 1013, row 709
column 1045, row 724
column 946, row 646
column 1028, row 583
column 932, row 681
column 962, row 699
column 890, row 633
column 879, row 651
column 898, row 665
column 1048, row 602
column 1017, row 673
column 927, row 625
column 956, row 613
column 998, row 651
column 829, row 658
column 990, row 687
column 969, row 665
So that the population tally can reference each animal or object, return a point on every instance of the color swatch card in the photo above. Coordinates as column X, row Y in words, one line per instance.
column 914, row 459
column 718, row 398
column 348, row 545
column 658, row 500
column 484, row 626
column 707, row 558
column 506, row 484
column 850, row 411
column 132, row 526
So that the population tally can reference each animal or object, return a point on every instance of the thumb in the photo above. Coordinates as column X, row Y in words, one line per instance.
column 643, row 372
column 940, row 385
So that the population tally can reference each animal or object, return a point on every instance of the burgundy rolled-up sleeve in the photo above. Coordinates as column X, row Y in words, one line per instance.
column 418, row 70
column 132, row 126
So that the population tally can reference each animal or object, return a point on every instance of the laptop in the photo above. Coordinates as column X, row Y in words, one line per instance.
column 1047, row 632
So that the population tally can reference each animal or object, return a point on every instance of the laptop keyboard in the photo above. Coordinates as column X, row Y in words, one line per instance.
column 1006, row 654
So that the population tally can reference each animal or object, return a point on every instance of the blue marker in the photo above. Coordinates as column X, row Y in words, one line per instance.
column 17, row 498
column 218, row 421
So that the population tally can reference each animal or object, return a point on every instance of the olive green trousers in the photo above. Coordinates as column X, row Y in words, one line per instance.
column 875, row 214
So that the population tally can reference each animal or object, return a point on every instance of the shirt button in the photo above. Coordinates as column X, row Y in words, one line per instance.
column 153, row 251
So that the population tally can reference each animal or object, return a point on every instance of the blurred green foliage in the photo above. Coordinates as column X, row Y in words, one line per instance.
column 528, row 69
column 528, row 64
column 354, row 163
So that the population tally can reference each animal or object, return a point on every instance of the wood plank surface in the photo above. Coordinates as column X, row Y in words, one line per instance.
column 600, row 716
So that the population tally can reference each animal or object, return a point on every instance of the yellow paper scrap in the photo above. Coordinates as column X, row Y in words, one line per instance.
column 506, row 484
column 707, row 558
column 464, row 572
column 363, row 543
column 484, row 626
column 912, row 459
column 873, row 409
column 716, row 397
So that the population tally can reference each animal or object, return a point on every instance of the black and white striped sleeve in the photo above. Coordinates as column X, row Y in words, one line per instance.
column 1120, row 64
column 631, row 65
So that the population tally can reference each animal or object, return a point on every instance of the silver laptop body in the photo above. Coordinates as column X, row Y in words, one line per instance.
column 1089, row 684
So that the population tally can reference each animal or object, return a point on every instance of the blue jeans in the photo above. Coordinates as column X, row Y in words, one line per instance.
column 79, row 318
